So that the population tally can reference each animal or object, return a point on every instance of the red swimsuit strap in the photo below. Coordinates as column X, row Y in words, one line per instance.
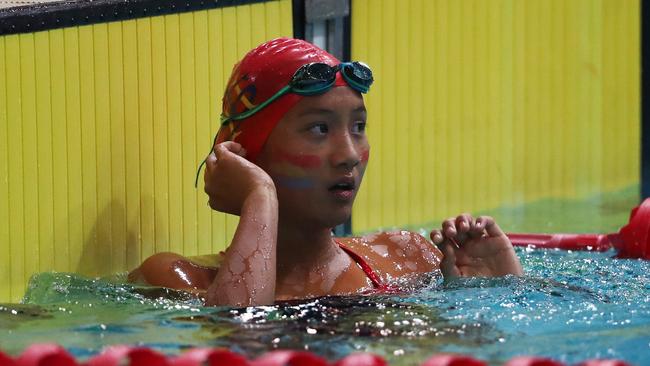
column 372, row 275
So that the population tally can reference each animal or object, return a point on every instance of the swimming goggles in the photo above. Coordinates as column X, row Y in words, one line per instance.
column 315, row 78
column 310, row 79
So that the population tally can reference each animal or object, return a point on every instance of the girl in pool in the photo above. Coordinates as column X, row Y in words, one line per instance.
column 288, row 160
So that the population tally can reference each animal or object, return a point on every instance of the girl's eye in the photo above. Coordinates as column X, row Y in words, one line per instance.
column 319, row 129
column 359, row 127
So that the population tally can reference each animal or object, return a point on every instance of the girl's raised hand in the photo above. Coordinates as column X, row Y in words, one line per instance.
column 475, row 248
column 230, row 178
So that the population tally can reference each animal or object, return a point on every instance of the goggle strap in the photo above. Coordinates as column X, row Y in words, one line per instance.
column 355, row 85
column 257, row 108
column 198, row 171
column 313, row 91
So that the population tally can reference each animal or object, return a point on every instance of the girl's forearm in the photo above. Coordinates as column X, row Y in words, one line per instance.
column 247, row 275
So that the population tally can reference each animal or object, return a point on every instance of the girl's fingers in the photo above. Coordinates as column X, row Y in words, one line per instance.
column 449, row 228
column 464, row 223
column 230, row 146
column 492, row 228
column 448, row 263
column 436, row 237
column 477, row 229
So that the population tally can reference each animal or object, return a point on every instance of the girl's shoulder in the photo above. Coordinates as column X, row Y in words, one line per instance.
column 402, row 251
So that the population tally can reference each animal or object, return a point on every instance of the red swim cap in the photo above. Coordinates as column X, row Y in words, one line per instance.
column 257, row 77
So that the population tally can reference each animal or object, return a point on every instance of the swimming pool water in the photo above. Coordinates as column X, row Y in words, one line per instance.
column 569, row 306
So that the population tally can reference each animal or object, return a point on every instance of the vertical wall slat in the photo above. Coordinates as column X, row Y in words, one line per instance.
column 61, row 239
column 286, row 25
column 44, row 150
column 89, row 255
column 160, row 127
column 14, row 143
column 131, row 141
column 505, row 98
column 388, row 113
column 175, row 178
column 146, row 137
column 5, row 246
column 188, row 131
column 437, row 47
column 73, row 145
column 103, row 220
column 401, row 116
column 203, row 124
column 121, row 238
column 29, row 152
column 415, row 89
column 272, row 19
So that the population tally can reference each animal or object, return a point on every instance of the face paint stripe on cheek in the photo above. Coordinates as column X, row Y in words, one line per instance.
column 302, row 161
column 293, row 182
column 365, row 156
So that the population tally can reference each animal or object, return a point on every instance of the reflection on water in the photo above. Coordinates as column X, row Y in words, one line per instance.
column 570, row 306
column 334, row 327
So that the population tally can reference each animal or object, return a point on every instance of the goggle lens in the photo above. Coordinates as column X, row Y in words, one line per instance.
column 317, row 77
column 359, row 73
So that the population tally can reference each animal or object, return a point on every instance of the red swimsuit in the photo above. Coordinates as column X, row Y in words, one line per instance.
column 372, row 275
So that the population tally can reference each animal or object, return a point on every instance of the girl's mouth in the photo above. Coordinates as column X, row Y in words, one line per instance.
column 343, row 190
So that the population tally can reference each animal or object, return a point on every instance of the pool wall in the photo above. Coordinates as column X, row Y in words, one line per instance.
column 478, row 104
column 102, row 127
column 481, row 104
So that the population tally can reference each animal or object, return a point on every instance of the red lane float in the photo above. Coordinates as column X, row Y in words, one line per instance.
column 603, row 363
column 289, row 358
column 631, row 241
column 209, row 357
column 452, row 360
column 125, row 355
column 361, row 359
column 6, row 360
column 532, row 361
column 55, row 355
column 46, row 354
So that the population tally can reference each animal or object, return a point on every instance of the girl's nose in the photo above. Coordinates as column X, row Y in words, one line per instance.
column 346, row 152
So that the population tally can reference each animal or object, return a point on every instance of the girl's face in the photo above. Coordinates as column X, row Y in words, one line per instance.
column 317, row 155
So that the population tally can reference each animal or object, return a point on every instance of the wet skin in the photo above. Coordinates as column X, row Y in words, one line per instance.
column 303, row 184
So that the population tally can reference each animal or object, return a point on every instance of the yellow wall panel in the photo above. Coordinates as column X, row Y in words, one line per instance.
column 175, row 165
column 203, row 125
column 131, row 142
column 29, row 151
column 101, row 230
column 44, row 149
column 188, row 131
column 120, row 237
column 145, row 137
column 479, row 104
column 15, row 162
column 61, row 238
column 102, row 128
column 5, row 260
column 89, row 255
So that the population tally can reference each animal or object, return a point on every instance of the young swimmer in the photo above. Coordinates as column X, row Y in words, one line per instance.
column 288, row 160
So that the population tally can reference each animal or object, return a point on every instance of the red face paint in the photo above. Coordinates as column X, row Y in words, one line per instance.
column 365, row 156
column 301, row 161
